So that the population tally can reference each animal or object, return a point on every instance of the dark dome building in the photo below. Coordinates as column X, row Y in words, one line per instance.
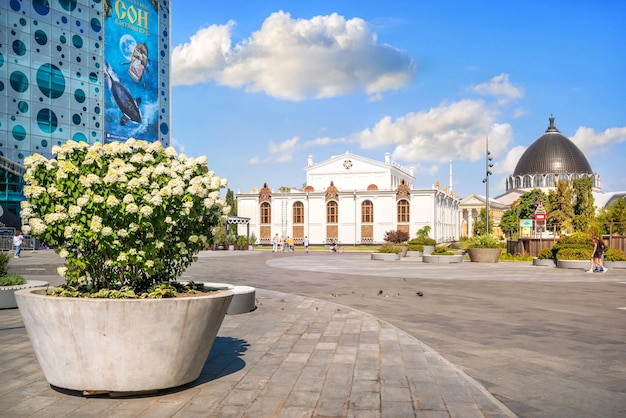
column 550, row 158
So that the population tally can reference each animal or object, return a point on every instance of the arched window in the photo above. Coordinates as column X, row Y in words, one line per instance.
column 549, row 180
column 298, row 213
column 332, row 212
column 266, row 213
column 527, row 182
column 518, row 182
column 403, row 211
column 538, row 180
column 367, row 212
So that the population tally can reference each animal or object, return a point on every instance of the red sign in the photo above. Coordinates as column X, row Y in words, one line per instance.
column 540, row 216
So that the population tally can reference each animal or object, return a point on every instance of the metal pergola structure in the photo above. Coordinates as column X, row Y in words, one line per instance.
column 238, row 220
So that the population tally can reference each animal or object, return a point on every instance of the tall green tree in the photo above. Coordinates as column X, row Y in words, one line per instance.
column 613, row 218
column 481, row 222
column 523, row 208
column 561, row 206
column 584, row 208
column 230, row 201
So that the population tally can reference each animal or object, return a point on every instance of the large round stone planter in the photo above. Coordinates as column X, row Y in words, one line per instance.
column 573, row 264
column 544, row 262
column 7, row 293
column 122, row 345
column 484, row 255
column 615, row 264
column 442, row 259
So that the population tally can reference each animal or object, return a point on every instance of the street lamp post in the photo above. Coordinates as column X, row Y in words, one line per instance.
column 488, row 172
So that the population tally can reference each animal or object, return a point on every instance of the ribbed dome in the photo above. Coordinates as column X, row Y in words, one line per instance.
column 552, row 153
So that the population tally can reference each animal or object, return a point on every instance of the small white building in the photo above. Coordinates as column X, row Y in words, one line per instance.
column 352, row 199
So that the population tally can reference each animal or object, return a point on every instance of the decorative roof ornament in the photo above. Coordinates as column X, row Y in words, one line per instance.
column 403, row 191
column 265, row 195
column 332, row 193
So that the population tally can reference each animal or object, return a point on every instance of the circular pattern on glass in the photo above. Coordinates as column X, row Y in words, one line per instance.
column 18, row 47
column 164, row 128
column 15, row 5
column 96, row 26
column 79, row 95
column 68, row 5
column 19, row 81
column 79, row 137
column 19, row 132
column 47, row 120
column 22, row 106
column 44, row 143
column 42, row 7
column 40, row 37
column 50, row 81
column 77, row 41
column 76, row 119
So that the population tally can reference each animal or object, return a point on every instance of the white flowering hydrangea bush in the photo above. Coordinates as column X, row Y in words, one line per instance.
column 130, row 214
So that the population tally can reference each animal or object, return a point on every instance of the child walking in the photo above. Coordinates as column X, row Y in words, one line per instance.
column 18, row 238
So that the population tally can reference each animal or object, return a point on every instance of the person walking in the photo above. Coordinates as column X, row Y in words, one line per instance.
column 275, row 241
column 18, row 238
column 306, row 244
column 596, row 256
column 290, row 246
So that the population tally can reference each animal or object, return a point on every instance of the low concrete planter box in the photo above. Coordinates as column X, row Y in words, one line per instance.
column 122, row 346
column 414, row 253
column 615, row 264
column 442, row 259
column 7, row 293
column 548, row 262
column 573, row 264
column 484, row 255
column 385, row 256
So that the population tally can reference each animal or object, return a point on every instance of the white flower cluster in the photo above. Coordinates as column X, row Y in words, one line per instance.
column 122, row 206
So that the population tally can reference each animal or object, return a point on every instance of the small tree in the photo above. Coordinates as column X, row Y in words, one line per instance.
column 396, row 237
column 230, row 201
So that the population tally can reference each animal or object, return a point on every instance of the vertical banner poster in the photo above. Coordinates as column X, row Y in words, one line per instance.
column 130, row 70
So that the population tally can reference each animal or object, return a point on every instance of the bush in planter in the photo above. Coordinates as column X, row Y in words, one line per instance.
column 123, row 215
column 442, row 250
column 422, row 237
column 573, row 254
column 5, row 258
column 12, row 279
column 485, row 241
column 577, row 245
column 415, row 247
column 546, row 254
column 389, row 249
column 613, row 254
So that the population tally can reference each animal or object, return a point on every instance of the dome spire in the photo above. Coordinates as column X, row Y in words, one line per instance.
column 552, row 128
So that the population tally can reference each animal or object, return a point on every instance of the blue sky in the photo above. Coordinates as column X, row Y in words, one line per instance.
column 260, row 85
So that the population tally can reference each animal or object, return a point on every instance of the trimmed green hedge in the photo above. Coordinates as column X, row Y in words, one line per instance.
column 613, row 254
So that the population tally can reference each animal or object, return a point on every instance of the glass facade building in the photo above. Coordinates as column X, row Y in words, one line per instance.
column 82, row 70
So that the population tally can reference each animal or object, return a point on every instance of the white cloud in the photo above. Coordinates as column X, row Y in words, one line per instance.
column 590, row 141
column 507, row 165
column 294, row 59
column 501, row 87
column 202, row 58
column 283, row 151
column 455, row 131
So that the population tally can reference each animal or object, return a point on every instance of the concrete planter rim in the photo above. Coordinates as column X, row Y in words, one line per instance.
column 7, row 293
column 90, row 345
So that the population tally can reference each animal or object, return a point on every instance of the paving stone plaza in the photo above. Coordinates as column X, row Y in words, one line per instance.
column 338, row 335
